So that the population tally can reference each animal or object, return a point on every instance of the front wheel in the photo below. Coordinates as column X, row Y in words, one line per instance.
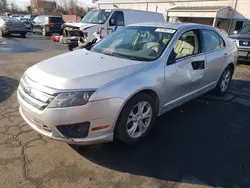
column 224, row 81
column 1, row 33
column 136, row 119
column 44, row 32
column 23, row 35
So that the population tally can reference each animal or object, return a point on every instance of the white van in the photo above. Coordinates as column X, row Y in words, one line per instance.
column 103, row 21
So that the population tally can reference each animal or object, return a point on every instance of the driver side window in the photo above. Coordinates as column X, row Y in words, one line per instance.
column 186, row 45
column 118, row 17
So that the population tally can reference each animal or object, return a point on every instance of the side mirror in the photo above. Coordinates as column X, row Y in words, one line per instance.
column 112, row 22
column 235, row 32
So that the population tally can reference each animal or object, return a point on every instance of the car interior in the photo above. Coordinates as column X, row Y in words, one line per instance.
column 186, row 45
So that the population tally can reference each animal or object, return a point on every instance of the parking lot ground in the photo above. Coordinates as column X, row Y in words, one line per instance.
column 32, row 43
column 204, row 143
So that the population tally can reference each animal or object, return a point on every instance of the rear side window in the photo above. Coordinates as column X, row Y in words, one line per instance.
column 119, row 17
column 211, row 41
column 42, row 19
column 56, row 20
column 36, row 19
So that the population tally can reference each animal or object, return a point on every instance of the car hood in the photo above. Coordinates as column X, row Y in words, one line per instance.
column 79, row 25
column 81, row 69
column 241, row 36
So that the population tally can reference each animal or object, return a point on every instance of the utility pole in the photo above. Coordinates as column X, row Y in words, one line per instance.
column 232, row 16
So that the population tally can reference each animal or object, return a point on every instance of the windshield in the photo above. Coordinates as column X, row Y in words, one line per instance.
column 245, row 29
column 96, row 16
column 136, row 43
column 9, row 19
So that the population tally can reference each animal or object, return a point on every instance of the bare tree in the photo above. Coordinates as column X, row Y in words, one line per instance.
column 70, row 7
column 14, row 8
column 4, row 5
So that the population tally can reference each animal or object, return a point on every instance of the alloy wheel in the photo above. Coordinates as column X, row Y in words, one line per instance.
column 43, row 31
column 226, row 77
column 139, row 119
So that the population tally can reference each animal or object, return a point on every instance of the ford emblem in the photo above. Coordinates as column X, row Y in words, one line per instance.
column 245, row 43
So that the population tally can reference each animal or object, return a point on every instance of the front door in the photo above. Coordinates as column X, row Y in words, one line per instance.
column 115, row 21
column 185, row 70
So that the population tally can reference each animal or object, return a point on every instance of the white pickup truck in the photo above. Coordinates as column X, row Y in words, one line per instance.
column 102, row 22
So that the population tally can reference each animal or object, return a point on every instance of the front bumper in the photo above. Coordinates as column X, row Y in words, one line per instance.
column 7, row 30
column 244, row 54
column 46, row 121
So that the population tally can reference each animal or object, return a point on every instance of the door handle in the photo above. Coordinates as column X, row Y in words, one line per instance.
column 198, row 65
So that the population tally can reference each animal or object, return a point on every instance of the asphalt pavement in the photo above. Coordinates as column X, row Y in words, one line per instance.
column 32, row 43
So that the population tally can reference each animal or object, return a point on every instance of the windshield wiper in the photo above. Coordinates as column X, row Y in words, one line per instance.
column 117, row 55
column 125, row 56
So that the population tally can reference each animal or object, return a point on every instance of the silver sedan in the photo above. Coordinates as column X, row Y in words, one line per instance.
column 119, row 87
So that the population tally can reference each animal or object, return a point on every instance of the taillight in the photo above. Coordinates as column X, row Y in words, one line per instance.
column 50, row 24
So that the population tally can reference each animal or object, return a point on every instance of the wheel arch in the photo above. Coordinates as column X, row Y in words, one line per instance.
column 147, row 91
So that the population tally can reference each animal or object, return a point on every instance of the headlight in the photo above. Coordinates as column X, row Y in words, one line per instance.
column 70, row 99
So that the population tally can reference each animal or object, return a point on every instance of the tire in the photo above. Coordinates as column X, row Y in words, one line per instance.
column 23, row 35
column 124, row 127
column 1, row 33
column 44, row 32
column 70, row 48
column 225, row 78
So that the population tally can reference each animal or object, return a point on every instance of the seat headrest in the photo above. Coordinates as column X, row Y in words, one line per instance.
column 190, row 39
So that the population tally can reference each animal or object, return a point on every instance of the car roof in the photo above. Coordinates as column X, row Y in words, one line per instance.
column 127, row 9
column 174, row 25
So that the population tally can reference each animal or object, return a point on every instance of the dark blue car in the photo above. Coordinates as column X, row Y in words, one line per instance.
column 242, row 38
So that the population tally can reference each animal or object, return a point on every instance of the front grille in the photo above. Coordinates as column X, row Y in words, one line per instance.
column 244, row 43
column 33, row 96
column 73, row 32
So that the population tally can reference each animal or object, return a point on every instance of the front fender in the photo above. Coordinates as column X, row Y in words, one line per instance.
column 90, row 30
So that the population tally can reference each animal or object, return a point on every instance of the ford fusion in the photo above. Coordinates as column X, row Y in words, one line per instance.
column 118, row 88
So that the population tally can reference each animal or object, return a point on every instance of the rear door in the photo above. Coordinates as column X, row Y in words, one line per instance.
column 36, row 23
column 185, row 70
column 214, row 47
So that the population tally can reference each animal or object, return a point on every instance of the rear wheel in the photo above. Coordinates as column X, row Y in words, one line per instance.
column 224, row 81
column 136, row 119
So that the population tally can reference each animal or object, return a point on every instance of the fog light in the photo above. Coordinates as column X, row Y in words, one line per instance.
column 79, row 130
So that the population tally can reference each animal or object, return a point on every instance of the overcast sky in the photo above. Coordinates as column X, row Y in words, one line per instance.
column 23, row 3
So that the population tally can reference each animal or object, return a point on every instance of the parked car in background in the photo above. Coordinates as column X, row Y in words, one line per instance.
column 9, row 25
column 242, row 38
column 103, row 21
column 26, row 21
column 137, row 73
column 47, row 25
column 31, row 16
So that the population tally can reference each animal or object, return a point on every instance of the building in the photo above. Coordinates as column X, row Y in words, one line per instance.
column 228, row 15
column 42, row 7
